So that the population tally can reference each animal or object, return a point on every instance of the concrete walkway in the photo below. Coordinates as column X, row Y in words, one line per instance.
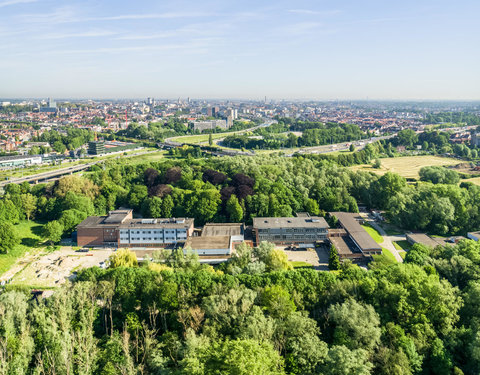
column 387, row 239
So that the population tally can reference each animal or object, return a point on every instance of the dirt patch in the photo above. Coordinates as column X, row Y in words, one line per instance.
column 53, row 269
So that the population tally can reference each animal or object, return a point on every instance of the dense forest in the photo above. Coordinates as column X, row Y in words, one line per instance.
column 73, row 139
column 240, row 188
column 420, row 317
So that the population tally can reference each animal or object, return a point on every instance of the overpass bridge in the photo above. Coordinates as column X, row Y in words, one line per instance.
column 48, row 176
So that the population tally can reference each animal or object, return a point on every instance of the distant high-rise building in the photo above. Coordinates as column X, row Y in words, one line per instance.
column 215, row 111
column 51, row 103
column 233, row 113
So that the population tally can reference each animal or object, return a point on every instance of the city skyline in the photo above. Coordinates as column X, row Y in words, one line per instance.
column 284, row 50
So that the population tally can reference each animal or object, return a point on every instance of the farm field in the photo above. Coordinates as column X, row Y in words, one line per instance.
column 407, row 166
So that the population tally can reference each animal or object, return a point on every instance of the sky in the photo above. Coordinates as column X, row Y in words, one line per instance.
column 302, row 49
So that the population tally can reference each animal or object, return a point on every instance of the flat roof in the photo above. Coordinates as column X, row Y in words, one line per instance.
column 422, row 239
column 95, row 221
column 210, row 242
column 289, row 222
column 222, row 229
column 345, row 246
column 117, row 216
column 356, row 232
column 157, row 223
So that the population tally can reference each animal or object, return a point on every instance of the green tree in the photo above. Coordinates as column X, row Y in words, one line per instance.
column 311, row 206
column 29, row 204
column 356, row 325
column 53, row 231
column 341, row 361
column 277, row 301
column 9, row 237
column 123, row 258
column 333, row 260
column 277, row 260
column 406, row 137
column 243, row 357
column 234, row 209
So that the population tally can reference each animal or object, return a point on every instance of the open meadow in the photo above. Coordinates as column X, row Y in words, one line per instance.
column 406, row 166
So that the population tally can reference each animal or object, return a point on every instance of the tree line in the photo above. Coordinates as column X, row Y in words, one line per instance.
column 181, row 317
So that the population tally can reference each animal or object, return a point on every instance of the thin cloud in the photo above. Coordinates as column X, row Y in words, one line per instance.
column 150, row 16
column 86, row 34
column 15, row 2
column 315, row 12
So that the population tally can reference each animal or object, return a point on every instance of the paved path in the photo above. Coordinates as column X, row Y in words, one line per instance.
column 388, row 240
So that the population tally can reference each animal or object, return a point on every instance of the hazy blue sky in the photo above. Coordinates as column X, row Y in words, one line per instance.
column 355, row 49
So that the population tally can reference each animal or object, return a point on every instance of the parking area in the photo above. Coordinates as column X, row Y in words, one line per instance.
column 317, row 257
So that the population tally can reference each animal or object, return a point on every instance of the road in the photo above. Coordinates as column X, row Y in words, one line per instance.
column 45, row 176
column 58, row 173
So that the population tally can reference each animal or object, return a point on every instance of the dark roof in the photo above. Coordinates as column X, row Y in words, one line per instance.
column 345, row 246
column 94, row 221
column 422, row 239
column 117, row 216
column 223, row 229
column 289, row 222
column 359, row 235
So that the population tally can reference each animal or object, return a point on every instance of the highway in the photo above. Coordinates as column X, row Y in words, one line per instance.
column 48, row 176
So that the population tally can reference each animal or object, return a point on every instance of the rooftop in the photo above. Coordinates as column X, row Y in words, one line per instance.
column 213, row 242
column 157, row 223
column 289, row 222
column 423, row 239
column 223, row 229
column 356, row 232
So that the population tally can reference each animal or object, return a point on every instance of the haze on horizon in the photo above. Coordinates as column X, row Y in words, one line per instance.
column 425, row 49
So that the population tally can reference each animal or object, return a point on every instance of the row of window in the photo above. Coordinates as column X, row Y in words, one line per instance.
column 167, row 231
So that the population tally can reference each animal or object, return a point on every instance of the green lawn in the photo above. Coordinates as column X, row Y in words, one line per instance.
column 402, row 245
column 388, row 254
column 29, row 232
column 402, row 254
column 373, row 232
column 299, row 264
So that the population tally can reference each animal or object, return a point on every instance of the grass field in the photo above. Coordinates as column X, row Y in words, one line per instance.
column 29, row 232
column 407, row 166
column 373, row 232
column 300, row 264
column 402, row 245
column 387, row 253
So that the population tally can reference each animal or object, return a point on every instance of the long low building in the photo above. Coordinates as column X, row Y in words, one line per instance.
column 473, row 236
column 119, row 229
column 19, row 161
column 359, row 236
column 303, row 230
